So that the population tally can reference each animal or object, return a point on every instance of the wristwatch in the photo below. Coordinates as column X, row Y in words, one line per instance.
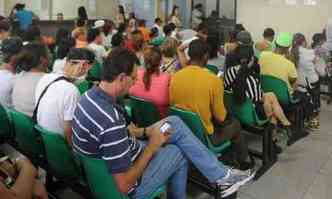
column 145, row 136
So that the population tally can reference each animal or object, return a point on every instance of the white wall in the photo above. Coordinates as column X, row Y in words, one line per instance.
column 256, row 15
column 227, row 8
column 40, row 7
column 2, row 7
column 69, row 8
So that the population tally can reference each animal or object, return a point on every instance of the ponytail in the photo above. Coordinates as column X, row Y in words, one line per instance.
column 298, row 41
column 152, row 59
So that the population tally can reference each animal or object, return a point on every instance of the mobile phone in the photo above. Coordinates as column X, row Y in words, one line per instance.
column 166, row 127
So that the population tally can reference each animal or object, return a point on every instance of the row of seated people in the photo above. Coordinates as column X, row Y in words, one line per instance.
column 97, row 125
column 93, row 119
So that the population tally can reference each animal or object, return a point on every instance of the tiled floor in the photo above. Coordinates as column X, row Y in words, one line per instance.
column 303, row 171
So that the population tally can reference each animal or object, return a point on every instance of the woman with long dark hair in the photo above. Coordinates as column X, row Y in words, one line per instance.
column 121, row 16
column 82, row 14
column 152, row 84
column 243, row 80
column 175, row 17
column 308, row 79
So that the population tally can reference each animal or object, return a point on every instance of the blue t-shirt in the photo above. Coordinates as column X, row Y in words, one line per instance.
column 25, row 19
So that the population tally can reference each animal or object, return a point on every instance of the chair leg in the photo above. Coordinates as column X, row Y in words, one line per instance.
column 269, row 156
column 298, row 130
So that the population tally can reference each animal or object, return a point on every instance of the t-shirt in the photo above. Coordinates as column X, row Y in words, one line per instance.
column 99, row 131
column 278, row 66
column 24, row 91
column 57, row 105
column 145, row 32
column 196, row 89
column 108, row 39
column 253, row 87
column 99, row 51
column 306, row 67
column 59, row 65
column 7, row 80
column 158, row 93
column 160, row 30
column 25, row 18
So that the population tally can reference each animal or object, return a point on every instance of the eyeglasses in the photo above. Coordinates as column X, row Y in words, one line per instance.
column 77, row 61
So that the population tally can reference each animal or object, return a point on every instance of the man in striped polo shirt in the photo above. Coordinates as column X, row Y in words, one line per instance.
column 140, row 167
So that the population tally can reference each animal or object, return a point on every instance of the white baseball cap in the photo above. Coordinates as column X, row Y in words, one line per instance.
column 99, row 24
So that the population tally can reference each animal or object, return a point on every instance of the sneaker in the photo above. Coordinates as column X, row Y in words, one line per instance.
column 314, row 124
column 234, row 180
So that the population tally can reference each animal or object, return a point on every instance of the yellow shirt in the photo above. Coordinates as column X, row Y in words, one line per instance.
column 198, row 90
column 278, row 66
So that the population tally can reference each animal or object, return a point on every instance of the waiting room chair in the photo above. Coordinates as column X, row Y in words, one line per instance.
column 95, row 72
column 143, row 112
column 212, row 68
column 101, row 183
column 58, row 154
column 26, row 138
column 193, row 121
column 6, row 132
column 84, row 86
column 290, row 105
column 60, row 163
column 250, row 121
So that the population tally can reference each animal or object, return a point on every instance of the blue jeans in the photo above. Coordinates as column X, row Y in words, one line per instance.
column 170, row 164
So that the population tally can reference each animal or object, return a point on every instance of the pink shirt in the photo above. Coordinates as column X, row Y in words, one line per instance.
column 158, row 93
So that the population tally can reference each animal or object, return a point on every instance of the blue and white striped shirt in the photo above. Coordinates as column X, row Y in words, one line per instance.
column 99, row 131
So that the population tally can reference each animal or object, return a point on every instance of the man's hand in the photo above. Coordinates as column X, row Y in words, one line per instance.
column 24, row 164
column 135, row 131
column 156, row 139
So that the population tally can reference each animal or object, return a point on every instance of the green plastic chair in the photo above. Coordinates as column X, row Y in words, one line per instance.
column 6, row 131
column 26, row 137
column 278, row 87
column 212, row 68
column 143, row 112
column 84, row 86
column 58, row 154
column 245, row 112
column 249, row 120
column 95, row 72
column 193, row 121
column 101, row 183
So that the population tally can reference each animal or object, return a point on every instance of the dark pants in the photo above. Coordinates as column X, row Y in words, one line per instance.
column 231, row 130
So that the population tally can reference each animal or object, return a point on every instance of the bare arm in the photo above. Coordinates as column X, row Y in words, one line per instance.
column 68, row 132
column 24, row 185
column 182, row 55
column 126, row 180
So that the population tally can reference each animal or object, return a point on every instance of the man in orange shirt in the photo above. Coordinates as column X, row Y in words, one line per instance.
column 145, row 31
column 196, row 89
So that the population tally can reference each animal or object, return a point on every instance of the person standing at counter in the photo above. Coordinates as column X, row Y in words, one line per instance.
column 25, row 17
